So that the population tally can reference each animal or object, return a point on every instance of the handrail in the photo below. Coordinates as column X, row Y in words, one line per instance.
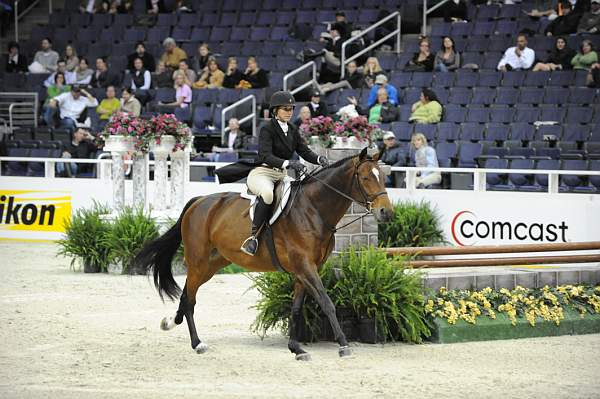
column 19, row 16
column 428, row 11
column 298, row 70
column 396, row 33
column 252, row 116
column 26, row 105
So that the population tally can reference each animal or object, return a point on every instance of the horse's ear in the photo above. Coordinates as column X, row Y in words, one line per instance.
column 363, row 154
column 377, row 156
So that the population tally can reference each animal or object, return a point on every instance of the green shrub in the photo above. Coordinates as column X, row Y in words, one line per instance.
column 370, row 283
column 414, row 224
column 128, row 234
column 84, row 237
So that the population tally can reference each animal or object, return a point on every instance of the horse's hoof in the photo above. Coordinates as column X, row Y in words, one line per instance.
column 168, row 323
column 304, row 357
column 345, row 351
column 201, row 348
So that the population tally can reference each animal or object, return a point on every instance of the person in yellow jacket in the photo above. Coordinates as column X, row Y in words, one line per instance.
column 427, row 110
column 108, row 106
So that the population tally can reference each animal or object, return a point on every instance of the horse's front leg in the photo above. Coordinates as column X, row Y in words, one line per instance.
column 309, row 276
column 295, row 321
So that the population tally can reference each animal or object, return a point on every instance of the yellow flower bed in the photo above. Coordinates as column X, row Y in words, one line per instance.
column 547, row 303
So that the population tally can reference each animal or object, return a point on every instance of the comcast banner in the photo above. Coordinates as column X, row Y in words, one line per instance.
column 34, row 214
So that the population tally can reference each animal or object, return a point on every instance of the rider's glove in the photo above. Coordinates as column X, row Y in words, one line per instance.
column 323, row 161
column 297, row 166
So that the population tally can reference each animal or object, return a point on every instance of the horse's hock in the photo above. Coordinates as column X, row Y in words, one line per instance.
column 361, row 233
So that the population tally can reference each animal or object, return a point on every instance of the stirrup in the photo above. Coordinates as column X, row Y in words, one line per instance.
column 250, row 246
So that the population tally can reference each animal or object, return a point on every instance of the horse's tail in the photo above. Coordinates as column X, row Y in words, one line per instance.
column 158, row 255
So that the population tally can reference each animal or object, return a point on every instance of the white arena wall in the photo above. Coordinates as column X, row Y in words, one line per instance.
column 468, row 217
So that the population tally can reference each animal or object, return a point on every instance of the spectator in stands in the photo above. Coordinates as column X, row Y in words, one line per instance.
column 383, row 111
column 189, row 73
column 156, row 6
column 428, row 109
column 129, row 103
column 71, row 58
column 385, row 29
column 586, row 56
column 345, row 27
column 393, row 155
column 381, row 81
column 140, row 52
column 173, row 54
column 73, row 106
column 303, row 117
column 590, row 21
column 234, row 139
column 103, row 77
column 81, row 147
column 551, row 13
column 564, row 24
column 330, row 69
column 212, row 77
column 354, row 78
column 61, row 67
column 256, row 77
column 57, row 88
column 423, row 60
column 201, row 60
column 425, row 157
column 15, row 61
column 141, row 79
column 83, row 74
column 45, row 60
column 183, row 92
column 316, row 106
column 108, row 106
column 371, row 70
column 164, row 77
column 447, row 59
column 519, row 57
column 92, row 6
column 126, row 7
column 559, row 59
column 233, row 75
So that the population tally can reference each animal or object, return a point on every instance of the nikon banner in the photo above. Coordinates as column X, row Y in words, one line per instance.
column 34, row 214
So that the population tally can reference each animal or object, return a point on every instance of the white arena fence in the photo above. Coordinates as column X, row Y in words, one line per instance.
column 472, row 216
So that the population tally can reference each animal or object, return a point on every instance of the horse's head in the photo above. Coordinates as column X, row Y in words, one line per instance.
column 370, row 187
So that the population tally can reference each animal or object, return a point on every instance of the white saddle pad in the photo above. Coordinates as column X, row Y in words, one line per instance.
column 283, row 195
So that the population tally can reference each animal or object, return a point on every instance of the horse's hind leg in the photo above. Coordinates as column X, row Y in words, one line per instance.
column 295, row 320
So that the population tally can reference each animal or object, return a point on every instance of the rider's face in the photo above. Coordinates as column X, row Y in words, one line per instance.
column 285, row 113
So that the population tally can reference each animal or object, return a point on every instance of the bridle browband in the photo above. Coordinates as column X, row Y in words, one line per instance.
column 366, row 203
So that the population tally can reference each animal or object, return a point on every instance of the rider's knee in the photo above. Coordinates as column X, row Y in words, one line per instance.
column 267, row 197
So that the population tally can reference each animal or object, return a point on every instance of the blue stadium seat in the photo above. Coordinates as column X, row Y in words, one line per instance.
column 575, row 132
column 483, row 95
column 513, row 78
column 472, row 131
column 489, row 78
column 502, row 114
column 579, row 115
column 520, row 179
column 468, row 154
column 448, row 131
column 421, row 79
column 429, row 130
column 478, row 114
column 561, row 78
column 527, row 114
column 506, row 96
column 466, row 78
column 497, row 132
column 460, row 95
column 522, row 131
column 556, row 95
column 445, row 153
column 496, row 181
column 572, row 182
column 581, row 95
column 531, row 95
column 536, row 79
column 454, row 113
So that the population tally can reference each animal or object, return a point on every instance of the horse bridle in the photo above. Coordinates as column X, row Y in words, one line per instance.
column 366, row 203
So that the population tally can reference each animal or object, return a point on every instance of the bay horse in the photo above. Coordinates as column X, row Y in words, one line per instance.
column 213, row 227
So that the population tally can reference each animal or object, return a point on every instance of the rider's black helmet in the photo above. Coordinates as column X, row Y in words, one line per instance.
column 280, row 99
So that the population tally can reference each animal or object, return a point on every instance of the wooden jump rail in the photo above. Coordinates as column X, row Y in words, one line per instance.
column 496, row 249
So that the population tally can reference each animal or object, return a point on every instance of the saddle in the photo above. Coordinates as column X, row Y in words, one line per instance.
column 281, row 196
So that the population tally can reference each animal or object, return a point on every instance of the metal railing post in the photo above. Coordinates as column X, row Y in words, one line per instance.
column 16, row 21
column 429, row 11
column 296, row 71
column 396, row 33
column 252, row 115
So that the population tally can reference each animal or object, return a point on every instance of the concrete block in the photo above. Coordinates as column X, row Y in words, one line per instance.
column 349, row 211
column 369, row 224
column 435, row 283
column 526, row 280
column 461, row 282
column 359, row 240
column 504, row 281
column 548, row 278
column 590, row 277
column 568, row 277
column 357, row 208
column 341, row 242
column 352, row 228
column 484, row 281
column 373, row 240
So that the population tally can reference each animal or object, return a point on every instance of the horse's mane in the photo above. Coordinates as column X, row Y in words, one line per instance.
column 318, row 172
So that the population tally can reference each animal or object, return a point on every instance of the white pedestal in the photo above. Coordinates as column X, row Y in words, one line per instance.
column 139, row 175
column 161, row 152
column 118, row 146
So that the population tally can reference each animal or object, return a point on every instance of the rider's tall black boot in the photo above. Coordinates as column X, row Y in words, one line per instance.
column 262, row 212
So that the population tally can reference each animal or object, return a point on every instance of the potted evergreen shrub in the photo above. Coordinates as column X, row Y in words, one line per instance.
column 129, row 232
column 83, row 242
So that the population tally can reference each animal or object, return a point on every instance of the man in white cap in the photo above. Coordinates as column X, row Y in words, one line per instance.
column 393, row 155
column 382, row 81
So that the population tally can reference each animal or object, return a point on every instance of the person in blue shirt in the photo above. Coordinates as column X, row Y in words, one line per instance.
column 426, row 157
column 382, row 81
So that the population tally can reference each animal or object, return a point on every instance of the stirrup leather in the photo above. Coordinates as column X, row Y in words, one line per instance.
column 250, row 246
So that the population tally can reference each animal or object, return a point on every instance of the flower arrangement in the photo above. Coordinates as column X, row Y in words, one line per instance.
column 326, row 129
column 534, row 304
column 168, row 124
column 123, row 124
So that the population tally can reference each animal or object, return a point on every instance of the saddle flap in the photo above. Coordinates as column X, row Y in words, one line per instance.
column 281, row 196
